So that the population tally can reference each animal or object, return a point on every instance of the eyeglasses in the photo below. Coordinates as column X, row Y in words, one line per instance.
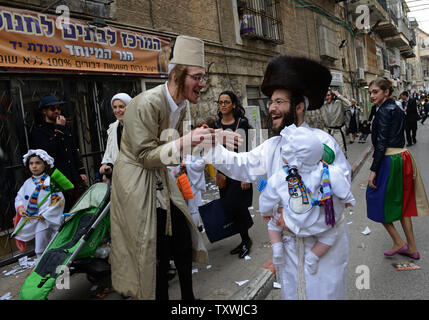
column 198, row 78
column 277, row 102
column 226, row 102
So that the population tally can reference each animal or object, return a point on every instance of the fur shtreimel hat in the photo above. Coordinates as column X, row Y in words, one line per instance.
column 299, row 75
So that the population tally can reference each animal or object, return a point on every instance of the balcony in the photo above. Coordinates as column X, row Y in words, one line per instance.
column 378, row 9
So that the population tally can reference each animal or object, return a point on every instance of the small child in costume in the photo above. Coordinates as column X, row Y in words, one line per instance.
column 304, row 185
column 43, row 221
column 195, row 170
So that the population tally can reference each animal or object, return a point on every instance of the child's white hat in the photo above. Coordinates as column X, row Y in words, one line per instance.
column 301, row 147
column 42, row 154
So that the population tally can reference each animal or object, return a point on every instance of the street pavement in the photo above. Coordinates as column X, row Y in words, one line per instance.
column 229, row 278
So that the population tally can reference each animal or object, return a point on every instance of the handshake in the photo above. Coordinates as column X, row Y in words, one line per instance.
column 207, row 138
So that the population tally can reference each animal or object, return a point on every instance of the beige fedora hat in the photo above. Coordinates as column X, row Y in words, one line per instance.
column 188, row 51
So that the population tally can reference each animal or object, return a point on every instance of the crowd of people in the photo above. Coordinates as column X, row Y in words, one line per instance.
column 305, row 169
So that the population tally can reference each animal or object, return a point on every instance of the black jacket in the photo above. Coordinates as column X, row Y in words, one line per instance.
column 387, row 131
column 58, row 142
column 411, row 117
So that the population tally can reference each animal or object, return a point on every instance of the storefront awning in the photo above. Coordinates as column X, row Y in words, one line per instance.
column 34, row 40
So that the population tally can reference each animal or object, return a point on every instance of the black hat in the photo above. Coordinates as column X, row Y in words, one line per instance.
column 49, row 100
column 299, row 75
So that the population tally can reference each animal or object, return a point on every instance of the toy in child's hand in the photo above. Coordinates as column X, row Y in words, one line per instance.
column 183, row 184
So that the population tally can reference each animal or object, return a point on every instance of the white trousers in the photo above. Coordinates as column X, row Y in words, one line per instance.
column 330, row 280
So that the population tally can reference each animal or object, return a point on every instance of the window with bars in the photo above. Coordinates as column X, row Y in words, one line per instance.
column 260, row 19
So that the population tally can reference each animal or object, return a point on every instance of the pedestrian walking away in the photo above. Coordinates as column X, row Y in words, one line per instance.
column 411, row 118
column 353, row 120
column 395, row 188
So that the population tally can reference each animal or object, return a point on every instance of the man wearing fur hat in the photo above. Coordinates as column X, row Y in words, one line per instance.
column 149, row 217
column 294, row 84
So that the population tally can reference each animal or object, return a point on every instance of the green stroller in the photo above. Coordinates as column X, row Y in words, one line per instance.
column 74, row 244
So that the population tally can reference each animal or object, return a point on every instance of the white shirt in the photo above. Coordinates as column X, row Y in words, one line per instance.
column 174, row 108
column 265, row 159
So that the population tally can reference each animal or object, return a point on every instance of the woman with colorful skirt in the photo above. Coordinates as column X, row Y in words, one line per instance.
column 395, row 189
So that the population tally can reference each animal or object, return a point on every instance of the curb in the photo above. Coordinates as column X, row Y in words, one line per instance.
column 261, row 282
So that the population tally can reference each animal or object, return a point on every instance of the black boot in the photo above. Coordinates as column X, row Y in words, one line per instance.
column 237, row 249
column 245, row 249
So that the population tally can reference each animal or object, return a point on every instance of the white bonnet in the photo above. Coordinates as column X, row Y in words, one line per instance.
column 301, row 147
column 121, row 96
column 42, row 155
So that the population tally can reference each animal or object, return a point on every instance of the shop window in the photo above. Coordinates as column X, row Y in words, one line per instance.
column 152, row 83
column 260, row 19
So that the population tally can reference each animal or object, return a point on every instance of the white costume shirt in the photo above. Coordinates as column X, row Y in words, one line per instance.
column 112, row 148
column 195, row 172
column 52, row 214
column 311, row 222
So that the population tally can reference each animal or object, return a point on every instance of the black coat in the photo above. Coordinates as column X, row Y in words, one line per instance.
column 57, row 141
column 411, row 112
column 233, row 198
column 387, row 131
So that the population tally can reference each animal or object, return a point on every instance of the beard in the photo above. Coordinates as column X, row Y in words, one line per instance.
column 289, row 118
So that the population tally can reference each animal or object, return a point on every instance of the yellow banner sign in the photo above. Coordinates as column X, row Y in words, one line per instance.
column 34, row 40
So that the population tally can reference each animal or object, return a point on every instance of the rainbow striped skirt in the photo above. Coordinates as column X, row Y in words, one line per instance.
column 400, row 191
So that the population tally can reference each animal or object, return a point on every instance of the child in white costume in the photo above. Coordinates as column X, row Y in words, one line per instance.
column 195, row 172
column 44, row 221
column 302, row 213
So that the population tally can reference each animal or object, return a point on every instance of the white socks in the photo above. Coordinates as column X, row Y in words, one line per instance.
column 278, row 253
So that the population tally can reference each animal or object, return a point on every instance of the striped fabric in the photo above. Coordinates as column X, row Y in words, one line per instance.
column 400, row 191
column 32, row 208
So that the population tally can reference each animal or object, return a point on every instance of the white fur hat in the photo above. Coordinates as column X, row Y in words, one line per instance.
column 42, row 154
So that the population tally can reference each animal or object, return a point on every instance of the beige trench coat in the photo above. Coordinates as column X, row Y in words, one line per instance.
column 133, row 198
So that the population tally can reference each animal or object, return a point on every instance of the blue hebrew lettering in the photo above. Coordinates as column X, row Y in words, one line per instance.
column 69, row 31
column 47, row 26
column 156, row 44
column 19, row 25
column 30, row 22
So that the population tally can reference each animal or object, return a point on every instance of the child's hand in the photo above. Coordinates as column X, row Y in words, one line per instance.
column 39, row 217
column 22, row 212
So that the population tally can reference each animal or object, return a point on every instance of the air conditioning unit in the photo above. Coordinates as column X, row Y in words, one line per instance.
column 361, row 74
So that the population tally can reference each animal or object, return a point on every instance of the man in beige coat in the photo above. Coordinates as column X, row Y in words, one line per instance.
column 332, row 113
column 149, row 217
